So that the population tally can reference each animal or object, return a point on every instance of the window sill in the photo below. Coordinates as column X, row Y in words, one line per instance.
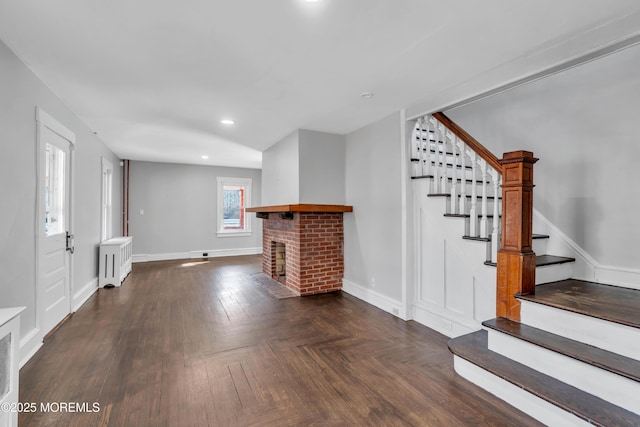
column 233, row 233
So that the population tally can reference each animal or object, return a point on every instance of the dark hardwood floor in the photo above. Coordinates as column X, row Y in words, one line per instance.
column 199, row 343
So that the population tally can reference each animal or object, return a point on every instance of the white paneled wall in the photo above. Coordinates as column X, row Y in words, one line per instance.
column 455, row 290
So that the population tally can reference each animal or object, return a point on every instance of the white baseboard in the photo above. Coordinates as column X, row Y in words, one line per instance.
column 215, row 253
column 29, row 345
column 159, row 257
column 618, row 276
column 84, row 294
column 374, row 298
column 212, row 253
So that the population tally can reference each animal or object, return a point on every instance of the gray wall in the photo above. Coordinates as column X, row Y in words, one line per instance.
column 305, row 167
column 20, row 92
column 583, row 125
column 373, row 232
column 280, row 172
column 322, row 167
column 180, row 213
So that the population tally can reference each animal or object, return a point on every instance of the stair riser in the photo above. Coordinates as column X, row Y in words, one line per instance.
column 611, row 387
column 468, row 173
column 609, row 336
column 540, row 246
column 468, row 186
column 554, row 272
column 528, row 403
column 467, row 208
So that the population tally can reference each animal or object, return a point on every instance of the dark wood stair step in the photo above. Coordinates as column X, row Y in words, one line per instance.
column 607, row 302
column 544, row 260
column 540, row 236
column 459, row 195
column 488, row 239
column 450, row 165
column 468, row 181
column 473, row 348
column 607, row 360
column 448, row 215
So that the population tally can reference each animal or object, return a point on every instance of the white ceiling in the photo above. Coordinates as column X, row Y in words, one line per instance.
column 154, row 77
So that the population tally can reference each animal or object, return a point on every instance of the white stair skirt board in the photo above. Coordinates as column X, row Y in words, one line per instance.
column 609, row 336
column 619, row 390
column 443, row 322
column 517, row 397
column 554, row 272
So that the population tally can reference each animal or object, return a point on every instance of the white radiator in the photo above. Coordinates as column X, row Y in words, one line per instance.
column 9, row 377
column 115, row 261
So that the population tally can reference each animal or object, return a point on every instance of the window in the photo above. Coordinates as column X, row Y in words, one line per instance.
column 107, row 202
column 54, row 191
column 234, row 195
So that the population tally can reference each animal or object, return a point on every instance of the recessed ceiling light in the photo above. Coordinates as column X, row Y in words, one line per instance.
column 227, row 121
column 367, row 94
column 205, row 157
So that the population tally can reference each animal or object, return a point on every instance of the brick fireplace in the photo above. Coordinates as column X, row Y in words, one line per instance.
column 302, row 246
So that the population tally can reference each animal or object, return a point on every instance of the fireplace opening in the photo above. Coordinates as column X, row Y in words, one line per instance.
column 280, row 264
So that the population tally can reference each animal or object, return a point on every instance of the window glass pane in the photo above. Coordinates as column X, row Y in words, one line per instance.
column 233, row 209
column 54, row 197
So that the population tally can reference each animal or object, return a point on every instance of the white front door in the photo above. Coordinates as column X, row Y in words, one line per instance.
column 55, row 144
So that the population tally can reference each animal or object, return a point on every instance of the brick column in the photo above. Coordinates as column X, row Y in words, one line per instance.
column 516, row 260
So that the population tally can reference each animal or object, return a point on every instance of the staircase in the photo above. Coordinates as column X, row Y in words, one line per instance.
column 569, row 353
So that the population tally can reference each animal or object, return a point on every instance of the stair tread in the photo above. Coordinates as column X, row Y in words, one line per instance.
column 468, row 181
column 607, row 360
column 612, row 303
column 450, row 165
column 477, row 239
column 543, row 260
column 450, row 215
column 473, row 348
column 459, row 195
column 540, row 236
column 488, row 239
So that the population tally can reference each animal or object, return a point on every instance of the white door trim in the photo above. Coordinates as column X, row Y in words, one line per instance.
column 106, row 201
column 44, row 120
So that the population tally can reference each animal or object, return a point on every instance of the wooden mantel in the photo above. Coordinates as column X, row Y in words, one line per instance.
column 302, row 208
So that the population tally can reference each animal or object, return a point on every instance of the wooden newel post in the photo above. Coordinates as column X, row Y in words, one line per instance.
column 516, row 259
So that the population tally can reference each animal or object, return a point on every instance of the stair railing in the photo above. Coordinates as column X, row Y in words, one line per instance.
column 439, row 152
column 469, row 162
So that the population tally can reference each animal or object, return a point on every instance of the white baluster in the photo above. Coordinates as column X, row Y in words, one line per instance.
column 416, row 143
column 484, row 221
column 443, row 162
column 495, row 233
column 454, row 173
column 421, row 155
column 428, row 135
column 473, row 213
column 462, row 207
column 436, row 156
